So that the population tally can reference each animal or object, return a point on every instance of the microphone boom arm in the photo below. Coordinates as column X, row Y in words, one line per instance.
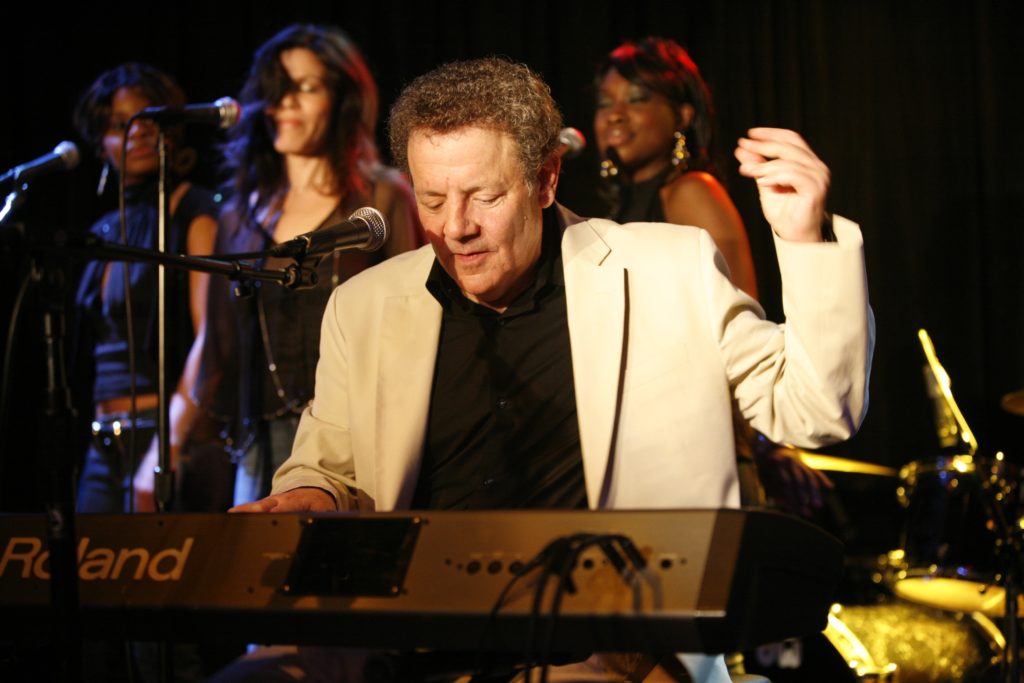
column 231, row 265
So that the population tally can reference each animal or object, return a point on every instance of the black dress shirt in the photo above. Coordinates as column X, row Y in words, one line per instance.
column 502, row 431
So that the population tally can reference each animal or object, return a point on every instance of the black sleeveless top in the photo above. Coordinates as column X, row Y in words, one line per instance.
column 263, row 344
column 105, row 316
column 641, row 202
column 288, row 326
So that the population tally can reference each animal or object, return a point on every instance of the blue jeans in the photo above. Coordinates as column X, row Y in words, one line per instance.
column 109, row 467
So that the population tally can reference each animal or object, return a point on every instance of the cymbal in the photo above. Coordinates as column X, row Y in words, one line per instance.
column 831, row 463
column 955, row 594
column 1013, row 402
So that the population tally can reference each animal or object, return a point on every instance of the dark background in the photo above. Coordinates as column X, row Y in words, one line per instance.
column 916, row 107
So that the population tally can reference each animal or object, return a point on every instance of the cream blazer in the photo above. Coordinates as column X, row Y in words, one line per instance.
column 664, row 347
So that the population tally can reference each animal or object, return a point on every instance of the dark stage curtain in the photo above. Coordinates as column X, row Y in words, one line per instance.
column 915, row 106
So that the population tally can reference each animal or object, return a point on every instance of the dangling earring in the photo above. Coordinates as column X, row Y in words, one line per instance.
column 104, row 172
column 609, row 169
column 680, row 155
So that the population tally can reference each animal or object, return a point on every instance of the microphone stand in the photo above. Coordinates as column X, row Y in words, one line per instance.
column 49, row 268
column 1011, row 552
column 163, row 479
column 1008, row 552
column 12, row 203
column 163, row 482
column 295, row 276
column 163, row 473
column 55, row 428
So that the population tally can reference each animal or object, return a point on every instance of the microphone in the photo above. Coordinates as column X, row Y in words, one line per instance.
column 570, row 143
column 365, row 229
column 223, row 113
column 64, row 157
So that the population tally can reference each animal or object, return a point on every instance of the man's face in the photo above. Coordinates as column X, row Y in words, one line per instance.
column 479, row 214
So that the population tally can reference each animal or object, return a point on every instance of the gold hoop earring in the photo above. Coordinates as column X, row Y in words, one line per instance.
column 104, row 173
column 680, row 154
column 609, row 169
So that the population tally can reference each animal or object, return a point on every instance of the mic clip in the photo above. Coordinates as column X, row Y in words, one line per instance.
column 296, row 249
column 299, row 276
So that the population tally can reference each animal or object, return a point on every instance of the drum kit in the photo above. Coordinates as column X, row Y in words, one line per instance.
column 944, row 604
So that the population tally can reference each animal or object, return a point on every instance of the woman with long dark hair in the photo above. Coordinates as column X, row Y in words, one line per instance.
column 303, row 157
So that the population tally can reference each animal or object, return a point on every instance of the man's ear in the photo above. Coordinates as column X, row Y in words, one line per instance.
column 547, row 180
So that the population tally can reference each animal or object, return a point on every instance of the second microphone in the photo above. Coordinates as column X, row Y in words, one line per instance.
column 365, row 230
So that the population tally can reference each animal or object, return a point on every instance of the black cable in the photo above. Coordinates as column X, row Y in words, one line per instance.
column 576, row 546
column 538, row 597
column 580, row 544
column 133, row 413
column 564, row 581
column 557, row 560
column 11, row 332
column 12, row 326
column 540, row 560
column 496, row 607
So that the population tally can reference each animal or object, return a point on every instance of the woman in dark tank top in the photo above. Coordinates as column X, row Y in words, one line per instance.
column 302, row 157
column 112, row 468
column 654, row 125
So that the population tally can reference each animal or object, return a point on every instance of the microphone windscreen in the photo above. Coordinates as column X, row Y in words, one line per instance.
column 374, row 220
column 68, row 152
column 572, row 141
column 230, row 111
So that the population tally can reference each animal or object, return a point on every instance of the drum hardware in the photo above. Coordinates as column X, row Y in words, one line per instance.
column 913, row 643
column 890, row 642
column 959, row 549
column 830, row 463
column 856, row 655
column 857, row 508
column 955, row 530
column 1013, row 402
column 950, row 424
column 951, row 542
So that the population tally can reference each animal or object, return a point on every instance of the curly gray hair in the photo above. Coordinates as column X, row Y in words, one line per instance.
column 492, row 93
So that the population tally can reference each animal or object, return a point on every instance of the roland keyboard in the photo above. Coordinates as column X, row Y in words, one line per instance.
column 678, row 580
